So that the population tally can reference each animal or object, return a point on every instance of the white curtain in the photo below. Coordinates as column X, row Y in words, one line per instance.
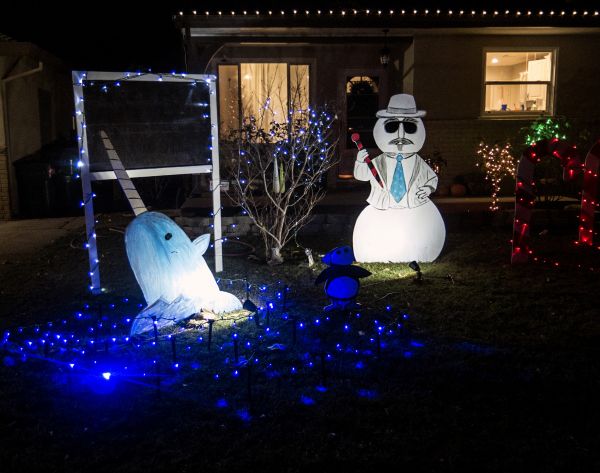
column 264, row 92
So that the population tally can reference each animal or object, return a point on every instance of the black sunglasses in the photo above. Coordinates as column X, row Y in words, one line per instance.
column 393, row 125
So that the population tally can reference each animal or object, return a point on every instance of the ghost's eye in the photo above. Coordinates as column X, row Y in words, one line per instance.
column 391, row 126
column 345, row 250
column 337, row 252
column 168, row 236
column 410, row 127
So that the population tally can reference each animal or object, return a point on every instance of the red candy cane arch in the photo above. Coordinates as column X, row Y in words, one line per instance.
column 589, row 196
column 525, row 190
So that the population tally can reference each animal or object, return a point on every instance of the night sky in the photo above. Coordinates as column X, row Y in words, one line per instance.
column 138, row 35
column 110, row 35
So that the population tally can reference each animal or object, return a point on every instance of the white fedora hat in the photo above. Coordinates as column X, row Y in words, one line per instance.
column 401, row 105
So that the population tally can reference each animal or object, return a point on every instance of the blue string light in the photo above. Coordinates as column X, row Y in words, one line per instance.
column 79, row 342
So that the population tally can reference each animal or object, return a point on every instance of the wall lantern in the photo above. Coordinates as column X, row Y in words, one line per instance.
column 384, row 54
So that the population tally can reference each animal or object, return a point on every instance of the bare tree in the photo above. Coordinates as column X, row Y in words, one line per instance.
column 279, row 169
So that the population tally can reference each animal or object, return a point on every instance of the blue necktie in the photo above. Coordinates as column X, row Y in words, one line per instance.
column 398, row 187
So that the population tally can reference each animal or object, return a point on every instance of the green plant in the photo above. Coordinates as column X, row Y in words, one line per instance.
column 545, row 128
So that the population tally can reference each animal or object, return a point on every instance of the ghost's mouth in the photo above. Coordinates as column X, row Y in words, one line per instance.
column 401, row 141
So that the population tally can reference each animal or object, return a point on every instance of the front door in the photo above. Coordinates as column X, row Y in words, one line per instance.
column 362, row 95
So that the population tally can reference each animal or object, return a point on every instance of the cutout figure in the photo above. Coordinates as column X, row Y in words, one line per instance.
column 401, row 223
column 341, row 278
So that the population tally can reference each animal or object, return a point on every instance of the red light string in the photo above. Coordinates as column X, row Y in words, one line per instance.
column 525, row 191
column 589, row 196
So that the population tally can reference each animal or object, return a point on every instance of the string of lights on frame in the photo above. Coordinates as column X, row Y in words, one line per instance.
column 160, row 124
column 525, row 192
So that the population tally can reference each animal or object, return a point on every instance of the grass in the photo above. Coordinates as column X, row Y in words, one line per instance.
column 496, row 370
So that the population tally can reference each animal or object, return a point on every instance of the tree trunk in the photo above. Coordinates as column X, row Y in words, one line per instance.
column 276, row 257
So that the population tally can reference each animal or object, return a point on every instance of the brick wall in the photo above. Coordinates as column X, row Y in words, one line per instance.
column 4, row 193
column 457, row 141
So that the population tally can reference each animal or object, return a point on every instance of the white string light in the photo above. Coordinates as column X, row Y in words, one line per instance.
column 450, row 12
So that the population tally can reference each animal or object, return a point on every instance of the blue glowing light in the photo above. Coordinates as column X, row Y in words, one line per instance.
column 222, row 403
column 307, row 401
column 244, row 414
column 368, row 393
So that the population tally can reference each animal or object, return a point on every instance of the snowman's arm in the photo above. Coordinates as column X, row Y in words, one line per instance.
column 431, row 178
column 361, row 171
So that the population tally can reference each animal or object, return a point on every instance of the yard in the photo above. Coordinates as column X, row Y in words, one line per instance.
column 483, row 366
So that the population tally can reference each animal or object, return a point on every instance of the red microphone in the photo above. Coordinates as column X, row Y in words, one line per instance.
column 356, row 139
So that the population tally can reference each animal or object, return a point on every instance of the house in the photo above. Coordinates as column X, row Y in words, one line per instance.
column 36, row 109
column 478, row 74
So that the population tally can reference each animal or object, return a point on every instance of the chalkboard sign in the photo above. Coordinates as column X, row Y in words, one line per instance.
column 152, row 124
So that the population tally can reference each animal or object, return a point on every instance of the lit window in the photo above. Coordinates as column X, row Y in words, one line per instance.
column 265, row 91
column 519, row 82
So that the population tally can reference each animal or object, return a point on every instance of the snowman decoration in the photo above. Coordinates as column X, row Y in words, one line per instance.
column 400, row 223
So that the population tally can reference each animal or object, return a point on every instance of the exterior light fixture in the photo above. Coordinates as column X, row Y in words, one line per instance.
column 384, row 54
column 415, row 267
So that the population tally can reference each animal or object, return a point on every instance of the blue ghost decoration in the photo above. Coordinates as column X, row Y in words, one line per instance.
column 171, row 272
column 341, row 278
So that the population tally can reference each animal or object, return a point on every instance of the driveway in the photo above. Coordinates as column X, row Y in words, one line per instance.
column 19, row 237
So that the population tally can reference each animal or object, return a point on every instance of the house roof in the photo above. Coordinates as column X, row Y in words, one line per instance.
column 16, row 49
column 399, row 22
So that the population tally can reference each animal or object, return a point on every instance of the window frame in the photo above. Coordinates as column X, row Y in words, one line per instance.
column 287, row 61
column 517, row 114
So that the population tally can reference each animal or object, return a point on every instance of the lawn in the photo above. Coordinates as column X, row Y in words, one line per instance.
column 483, row 366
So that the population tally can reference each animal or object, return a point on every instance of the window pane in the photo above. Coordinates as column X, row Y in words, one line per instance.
column 264, row 92
column 518, row 66
column 299, row 91
column 229, row 109
column 516, row 98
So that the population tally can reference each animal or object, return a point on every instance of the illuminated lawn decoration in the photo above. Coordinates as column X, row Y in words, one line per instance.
column 341, row 278
column 169, row 268
column 572, row 164
column 401, row 223
column 546, row 128
column 171, row 272
column 92, row 348
column 497, row 162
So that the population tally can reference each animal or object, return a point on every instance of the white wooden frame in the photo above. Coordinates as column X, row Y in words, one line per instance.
column 87, row 177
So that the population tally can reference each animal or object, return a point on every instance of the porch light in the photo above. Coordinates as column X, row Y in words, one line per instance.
column 384, row 54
